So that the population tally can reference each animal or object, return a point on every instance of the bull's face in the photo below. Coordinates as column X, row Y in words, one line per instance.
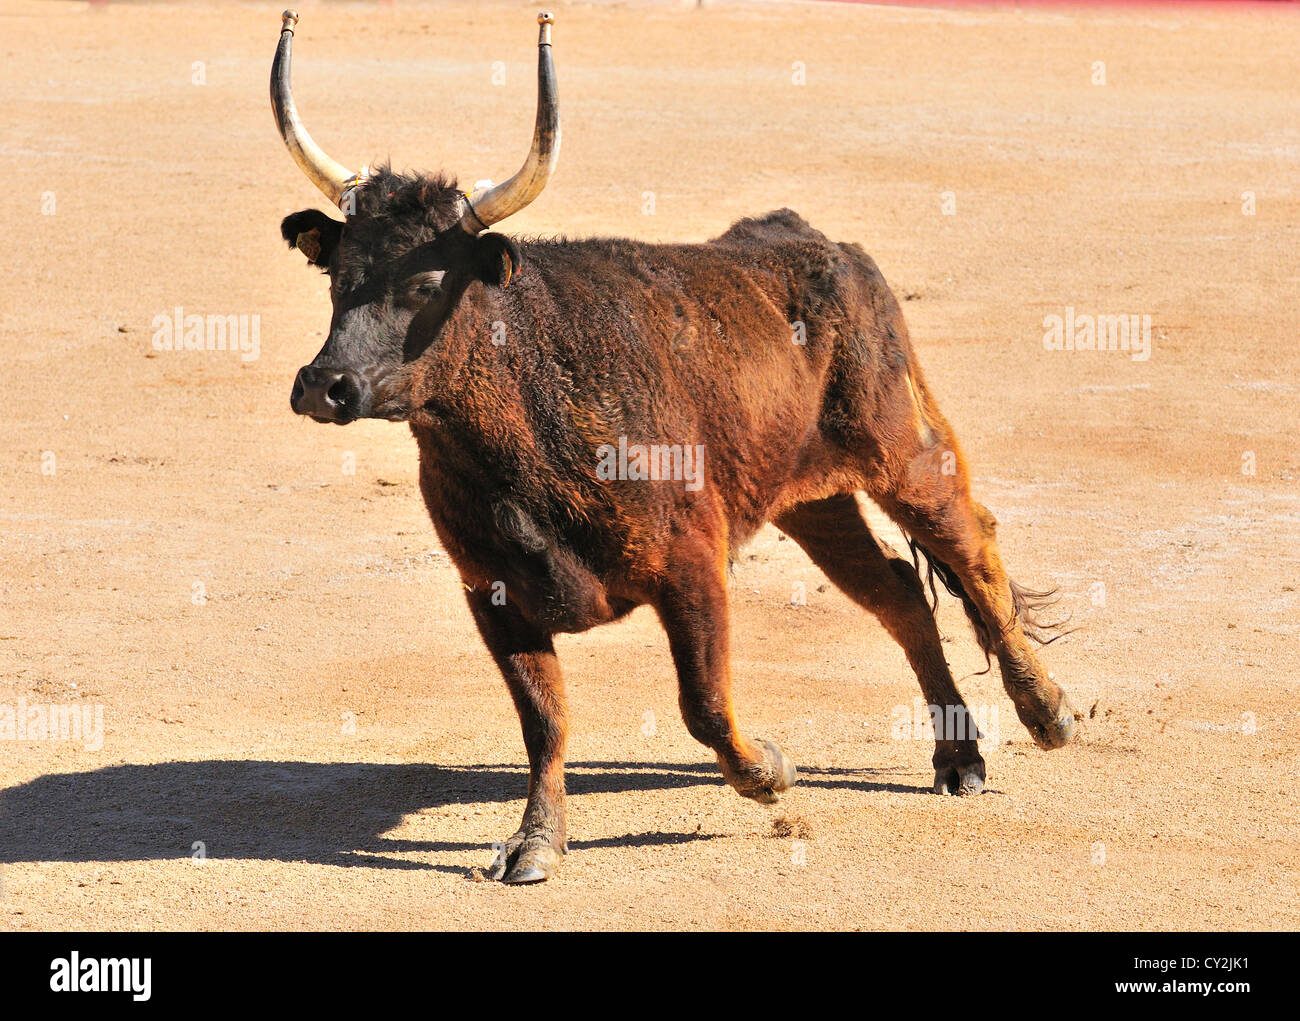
column 404, row 255
column 398, row 267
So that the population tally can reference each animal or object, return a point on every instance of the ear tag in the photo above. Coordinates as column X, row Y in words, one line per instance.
column 308, row 243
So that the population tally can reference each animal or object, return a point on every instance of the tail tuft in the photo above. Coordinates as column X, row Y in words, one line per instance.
column 1029, row 604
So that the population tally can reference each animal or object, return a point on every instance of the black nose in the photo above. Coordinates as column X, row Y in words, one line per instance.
column 328, row 395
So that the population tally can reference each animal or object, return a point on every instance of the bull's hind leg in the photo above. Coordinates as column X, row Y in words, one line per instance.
column 692, row 605
column 527, row 659
column 930, row 499
column 834, row 535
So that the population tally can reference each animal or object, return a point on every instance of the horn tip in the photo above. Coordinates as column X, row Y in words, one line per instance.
column 287, row 20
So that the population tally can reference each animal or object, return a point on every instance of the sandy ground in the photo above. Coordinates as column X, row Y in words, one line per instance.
column 300, row 726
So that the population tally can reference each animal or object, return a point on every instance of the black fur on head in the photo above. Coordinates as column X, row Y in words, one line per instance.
column 388, row 214
column 392, row 213
column 399, row 253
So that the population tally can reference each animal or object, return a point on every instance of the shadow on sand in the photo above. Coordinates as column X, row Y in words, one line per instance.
column 331, row 813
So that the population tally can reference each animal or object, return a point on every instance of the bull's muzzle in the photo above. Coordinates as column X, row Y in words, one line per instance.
column 329, row 395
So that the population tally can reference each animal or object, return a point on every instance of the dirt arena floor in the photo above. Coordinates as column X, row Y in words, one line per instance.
column 300, row 727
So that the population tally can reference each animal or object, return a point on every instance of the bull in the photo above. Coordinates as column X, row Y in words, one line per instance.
column 536, row 373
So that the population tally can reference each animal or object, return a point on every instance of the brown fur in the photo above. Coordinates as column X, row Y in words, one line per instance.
column 677, row 345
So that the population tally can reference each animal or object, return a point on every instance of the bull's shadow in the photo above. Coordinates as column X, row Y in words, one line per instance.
column 332, row 813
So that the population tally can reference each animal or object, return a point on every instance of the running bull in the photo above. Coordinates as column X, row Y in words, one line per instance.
column 603, row 423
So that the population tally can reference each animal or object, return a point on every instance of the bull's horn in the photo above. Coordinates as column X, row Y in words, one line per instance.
column 331, row 177
column 485, row 208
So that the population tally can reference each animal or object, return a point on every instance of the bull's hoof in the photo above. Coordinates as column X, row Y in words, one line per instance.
column 526, row 858
column 764, row 780
column 783, row 766
column 1058, row 732
column 963, row 779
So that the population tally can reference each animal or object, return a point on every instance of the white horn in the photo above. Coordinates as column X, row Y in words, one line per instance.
column 330, row 176
column 482, row 209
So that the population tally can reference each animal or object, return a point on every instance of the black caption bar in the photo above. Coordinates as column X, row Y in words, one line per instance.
column 145, row 971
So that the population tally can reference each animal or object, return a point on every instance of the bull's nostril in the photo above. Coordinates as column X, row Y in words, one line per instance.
column 338, row 392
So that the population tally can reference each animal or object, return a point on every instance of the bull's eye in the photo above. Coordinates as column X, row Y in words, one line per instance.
column 422, row 288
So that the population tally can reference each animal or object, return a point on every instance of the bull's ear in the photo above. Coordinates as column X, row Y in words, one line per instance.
column 497, row 259
column 313, row 233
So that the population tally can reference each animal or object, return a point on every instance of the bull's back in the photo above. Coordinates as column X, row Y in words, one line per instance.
column 725, row 345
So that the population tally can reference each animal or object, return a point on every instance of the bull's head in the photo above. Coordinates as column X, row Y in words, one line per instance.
column 402, row 257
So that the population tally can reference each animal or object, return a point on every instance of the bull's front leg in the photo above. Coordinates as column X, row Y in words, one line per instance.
column 528, row 661
column 692, row 605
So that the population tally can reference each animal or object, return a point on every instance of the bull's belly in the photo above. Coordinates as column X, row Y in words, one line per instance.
column 544, row 577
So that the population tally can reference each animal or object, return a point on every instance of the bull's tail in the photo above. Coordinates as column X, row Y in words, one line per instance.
column 1029, row 604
